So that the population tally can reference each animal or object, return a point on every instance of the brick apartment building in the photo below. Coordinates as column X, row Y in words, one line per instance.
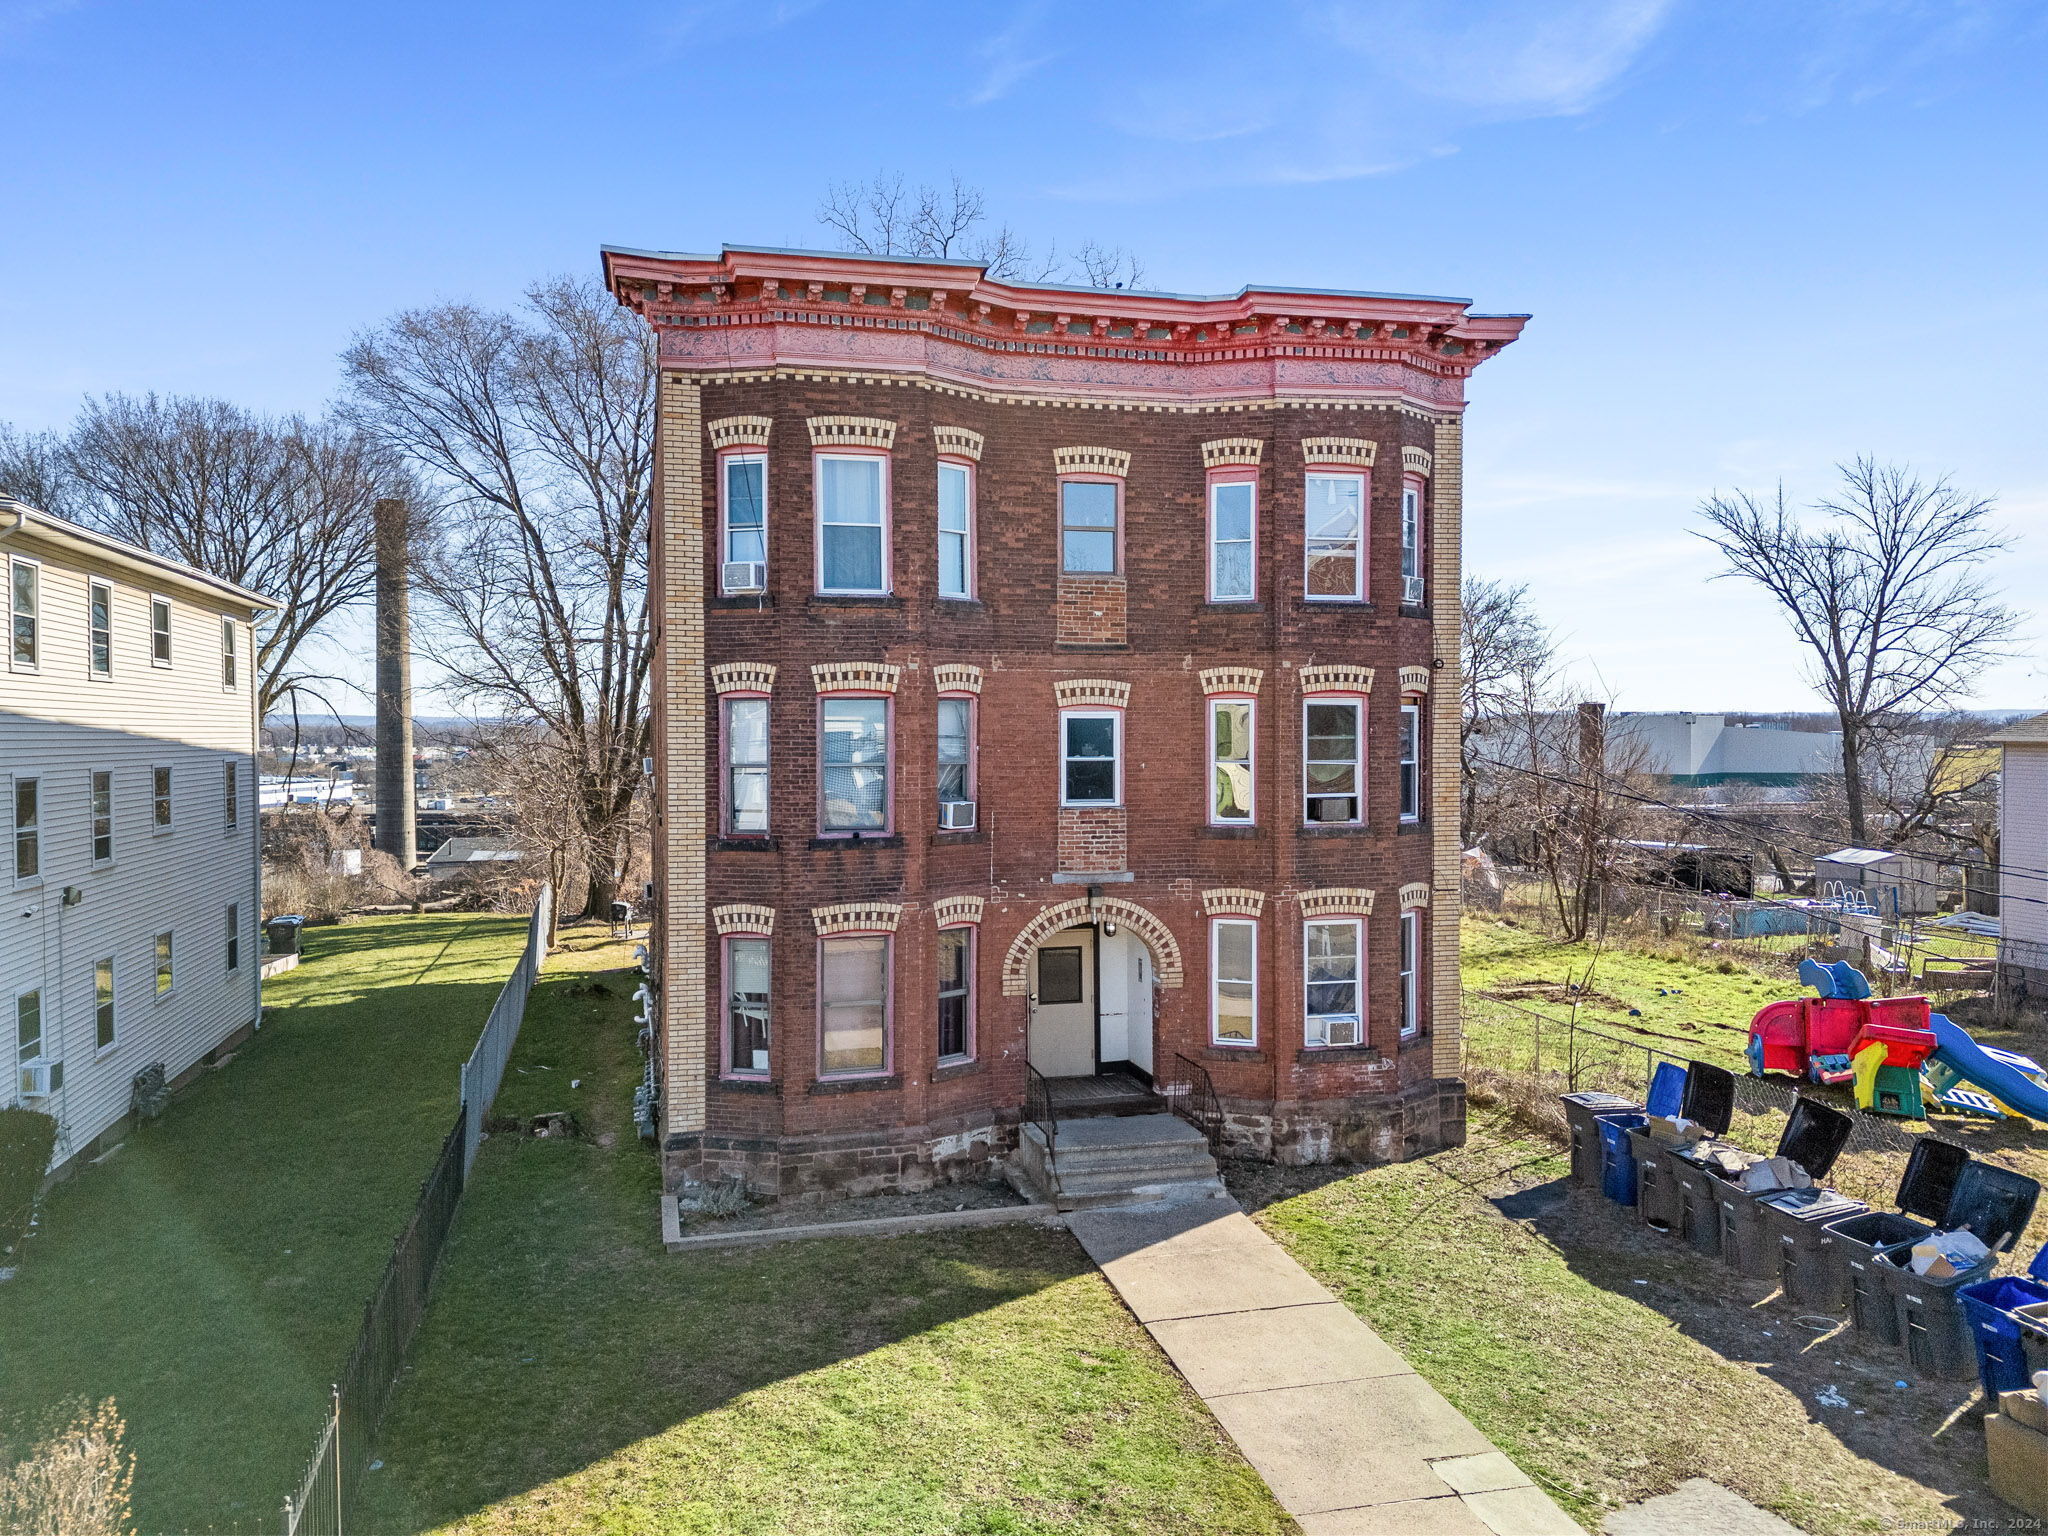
column 1050, row 679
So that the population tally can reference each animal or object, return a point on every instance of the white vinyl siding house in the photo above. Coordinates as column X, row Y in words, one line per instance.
column 2023, row 848
column 102, row 712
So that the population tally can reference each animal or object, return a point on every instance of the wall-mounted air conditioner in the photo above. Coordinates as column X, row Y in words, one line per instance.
column 35, row 1080
column 956, row 816
column 743, row 576
column 1411, row 589
column 1342, row 1028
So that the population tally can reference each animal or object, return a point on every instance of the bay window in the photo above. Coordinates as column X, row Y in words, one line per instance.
column 1411, row 762
column 853, row 532
column 956, row 994
column 1230, row 762
column 746, row 1006
column 1335, row 542
column 956, row 530
column 1088, row 526
column 853, row 999
column 1233, row 981
column 746, row 766
column 743, row 513
column 1232, row 507
column 1332, row 982
column 1091, row 767
column 1333, row 741
column 854, row 767
column 1411, row 973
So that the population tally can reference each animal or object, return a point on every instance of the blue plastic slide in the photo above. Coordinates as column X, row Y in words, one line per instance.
column 1978, row 1067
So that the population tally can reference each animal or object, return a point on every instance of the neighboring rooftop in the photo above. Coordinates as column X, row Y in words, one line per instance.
column 18, row 518
column 2024, row 733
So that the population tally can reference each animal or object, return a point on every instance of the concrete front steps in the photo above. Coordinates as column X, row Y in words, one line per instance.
column 1115, row 1160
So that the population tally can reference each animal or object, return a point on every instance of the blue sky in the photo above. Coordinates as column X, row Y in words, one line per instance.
column 1758, row 236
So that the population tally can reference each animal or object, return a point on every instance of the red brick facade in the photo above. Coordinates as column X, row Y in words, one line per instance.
column 758, row 350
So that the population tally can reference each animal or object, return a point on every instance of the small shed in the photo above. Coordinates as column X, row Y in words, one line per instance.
column 1891, row 883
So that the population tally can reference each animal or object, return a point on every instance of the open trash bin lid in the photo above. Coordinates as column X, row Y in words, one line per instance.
column 1993, row 1202
column 1709, row 1097
column 1814, row 1136
column 1667, row 1089
column 1929, row 1183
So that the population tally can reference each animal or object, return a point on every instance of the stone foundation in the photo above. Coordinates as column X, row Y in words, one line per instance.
column 1428, row 1117
column 814, row 1169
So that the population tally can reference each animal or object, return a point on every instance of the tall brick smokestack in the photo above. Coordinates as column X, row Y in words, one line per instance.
column 396, row 831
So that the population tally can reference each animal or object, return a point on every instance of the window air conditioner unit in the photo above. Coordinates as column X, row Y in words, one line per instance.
column 956, row 816
column 35, row 1080
column 741, row 576
column 1342, row 1028
column 1411, row 589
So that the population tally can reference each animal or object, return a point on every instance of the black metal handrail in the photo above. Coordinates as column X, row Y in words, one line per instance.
column 1038, row 1105
column 1196, row 1102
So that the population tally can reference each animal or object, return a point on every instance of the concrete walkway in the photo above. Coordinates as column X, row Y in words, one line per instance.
column 1351, row 1441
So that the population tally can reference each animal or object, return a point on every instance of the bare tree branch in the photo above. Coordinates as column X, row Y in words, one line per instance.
column 881, row 217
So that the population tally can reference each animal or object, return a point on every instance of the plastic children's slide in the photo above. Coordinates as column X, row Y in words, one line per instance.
column 1973, row 1064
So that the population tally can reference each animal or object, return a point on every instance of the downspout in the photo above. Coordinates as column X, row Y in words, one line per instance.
column 255, row 941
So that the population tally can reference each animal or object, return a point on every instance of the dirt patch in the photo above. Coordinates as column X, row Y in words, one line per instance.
column 1536, row 990
column 984, row 1196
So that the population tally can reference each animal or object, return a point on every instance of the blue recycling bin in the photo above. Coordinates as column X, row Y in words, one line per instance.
column 1988, row 1306
column 1617, row 1156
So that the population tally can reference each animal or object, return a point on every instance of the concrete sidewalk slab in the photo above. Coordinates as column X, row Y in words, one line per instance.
column 1693, row 1506
column 1286, row 1347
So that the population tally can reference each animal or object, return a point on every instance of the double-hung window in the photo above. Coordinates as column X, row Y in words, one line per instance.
column 1088, row 526
column 28, row 1031
column 1333, row 972
column 853, row 1004
column 1230, row 762
column 28, row 828
column 1232, row 519
column 25, row 604
column 1335, row 543
column 1333, row 753
column 1091, row 757
column 228, row 658
column 1411, row 973
column 102, row 816
column 103, row 1004
column 1233, row 981
column 160, row 631
column 1411, row 762
column 746, row 766
column 746, row 1005
column 743, row 492
column 956, row 530
column 160, row 798
column 853, row 523
column 163, row 964
column 99, row 624
column 956, row 994
column 230, row 798
column 1413, row 587
column 956, row 753
column 854, row 767
column 233, row 923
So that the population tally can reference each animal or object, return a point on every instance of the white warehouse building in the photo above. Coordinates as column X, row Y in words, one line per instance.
column 128, row 720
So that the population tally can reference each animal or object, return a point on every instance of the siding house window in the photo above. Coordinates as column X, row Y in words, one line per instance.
column 853, row 998
column 743, row 485
column 746, row 1006
column 1232, row 506
column 163, row 964
column 1411, row 762
column 1413, row 589
column 853, row 517
column 28, row 1027
column 956, row 530
column 1333, row 738
column 102, row 816
column 956, row 994
column 24, row 586
column 1336, row 538
column 230, row 798
column 234, row 928
column 160, row 798
column 160, row 631
column 956, row 751
column 854, row 771
column 28, row 834
column 1230, row 762
column 1411, row 973
column 227, row 653
column 1088, row 526
column 1233, row 981
column 99, row 605
column 746, row 766
column 1091, row 757
column 1331, row 982
column 103, row 1004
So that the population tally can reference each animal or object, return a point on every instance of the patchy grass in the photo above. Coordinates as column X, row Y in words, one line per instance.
column 574, row 1377
column 1613, row 1364
column 211, row 1275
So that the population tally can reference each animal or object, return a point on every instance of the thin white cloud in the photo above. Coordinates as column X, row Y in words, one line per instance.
column 1013, row 54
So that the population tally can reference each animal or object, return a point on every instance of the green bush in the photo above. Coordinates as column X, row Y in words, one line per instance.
column 27, row 1137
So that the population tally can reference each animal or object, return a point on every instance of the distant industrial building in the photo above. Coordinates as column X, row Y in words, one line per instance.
column 1706, row 750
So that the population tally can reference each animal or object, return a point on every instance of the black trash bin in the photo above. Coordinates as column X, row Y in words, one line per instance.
column 1813, row 1138
column 1709, row 1099
column 283, row 933
column 1581, row 1112
column 1924, row 1193
column 1993, row 1203
column 1797, row 1223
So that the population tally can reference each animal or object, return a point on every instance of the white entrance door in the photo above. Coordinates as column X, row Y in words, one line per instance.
column 1126, row 1003
column 1063, row 1005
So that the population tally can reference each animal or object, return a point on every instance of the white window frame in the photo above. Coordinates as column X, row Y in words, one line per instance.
column 971, row 704
column 111, row 1003
column 726, row 461
column 97, row 635
column 731, row 770
column 230, row 656
column 16, row 564
column 1217, row 979
column 163, row 960
column 883, row 529
column 1310, row 1030
column 42, row 1050
column 888, row 703
column 1116, row 719
column 159, row 604
column 231, row 920
column 1412, row 535
column 93, row 816
column 230, row 796
column 973, row 934
column 1250, row 541
column 1358, row 703
column 1250, row 706
column 964, row 534
column 1358, row 592
column 167, row 798
column 1408, row 752
column 1411, row 972
column 32, row 830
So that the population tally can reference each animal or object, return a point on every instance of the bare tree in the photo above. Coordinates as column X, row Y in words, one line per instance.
column 535, row 432
column 280, row 505
column 1884, row 588
column 1509, row 660
column 883, row 217
column 32, row 469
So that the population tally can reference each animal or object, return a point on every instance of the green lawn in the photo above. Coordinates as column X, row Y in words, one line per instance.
column 210, row 1275
column 574, row 1377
